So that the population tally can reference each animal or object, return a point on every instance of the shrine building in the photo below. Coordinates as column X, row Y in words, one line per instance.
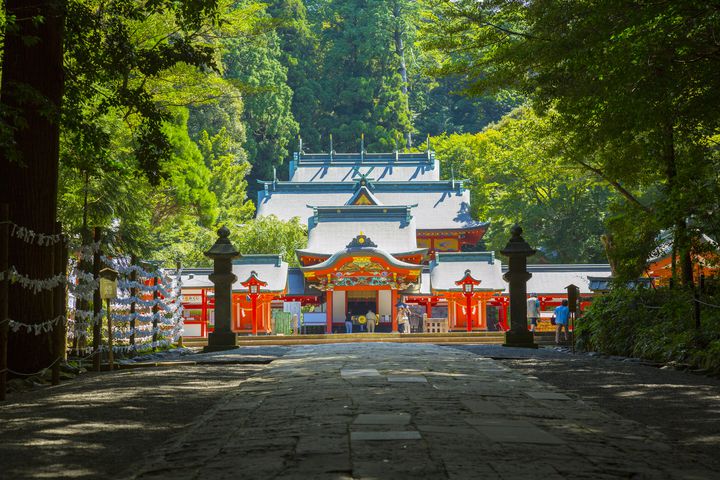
column 383, row 230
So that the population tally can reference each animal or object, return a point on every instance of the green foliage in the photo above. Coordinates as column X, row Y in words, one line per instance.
column 634, row 86
column 254, row 65
column 270, row 235
column 440, row 108
column 359, row 87
column 654, row 324
column 152, row 138
column 518, row 177
column 115, row 52
column 354, row 68
column 187, row 178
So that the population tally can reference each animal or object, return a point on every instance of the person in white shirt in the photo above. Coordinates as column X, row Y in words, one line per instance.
column 533, row 311
column 403, row 318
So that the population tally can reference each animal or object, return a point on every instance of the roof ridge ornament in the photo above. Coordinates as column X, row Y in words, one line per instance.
column 361, row 241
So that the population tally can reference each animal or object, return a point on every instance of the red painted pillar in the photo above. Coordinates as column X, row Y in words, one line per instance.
column 203, row 312
column 253, row 299
column 482, row 306
column 428, row 308
column 329, row 310
column 468, row 312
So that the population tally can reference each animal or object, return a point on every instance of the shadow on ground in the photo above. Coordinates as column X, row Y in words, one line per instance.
column 100, row 424
column 682, row 406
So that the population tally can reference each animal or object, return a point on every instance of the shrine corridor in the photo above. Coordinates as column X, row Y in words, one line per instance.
column 390, row 411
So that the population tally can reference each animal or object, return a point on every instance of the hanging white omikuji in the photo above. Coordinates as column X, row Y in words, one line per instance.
column 36, row 328
column 33, row 238
column 34, row 285
column 88, row 250
column 168, row 318
column 125, row 269
column 90, row 316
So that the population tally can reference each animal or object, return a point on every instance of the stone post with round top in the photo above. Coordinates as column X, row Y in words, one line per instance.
column 222, row 253
column 517, row 250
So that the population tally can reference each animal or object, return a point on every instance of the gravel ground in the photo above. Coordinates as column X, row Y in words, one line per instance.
column 683, row 406
column 99, row 424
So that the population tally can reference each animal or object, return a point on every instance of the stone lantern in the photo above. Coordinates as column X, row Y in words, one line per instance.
column 517, row 250
column 222, row 253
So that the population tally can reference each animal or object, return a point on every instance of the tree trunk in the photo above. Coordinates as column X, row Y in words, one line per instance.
column 681, row 235
column 85, row 266
column 30, row 99
column 400, row 51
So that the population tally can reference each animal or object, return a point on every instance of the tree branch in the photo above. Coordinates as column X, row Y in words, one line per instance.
column 622, row 190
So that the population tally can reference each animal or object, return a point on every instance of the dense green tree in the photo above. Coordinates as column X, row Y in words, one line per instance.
column 186, row 177
column 270, row 235
column 442, row 108
column 298, row 42
column 228, row 178
column 354, row 67
column 254, row 64
column 634, row 84
column 360, row 86
column 518, row 177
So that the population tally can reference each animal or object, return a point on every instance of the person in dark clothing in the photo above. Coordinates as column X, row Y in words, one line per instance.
column 348, row 322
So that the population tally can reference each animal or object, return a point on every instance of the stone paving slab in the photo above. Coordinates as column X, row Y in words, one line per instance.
column 359, row 372
column 319, row 412
column 529, row 434
column 388, row 435
column 398, row 418
column 406, row 379
column 547, row 396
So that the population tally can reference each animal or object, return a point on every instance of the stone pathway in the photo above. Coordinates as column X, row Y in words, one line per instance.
column 360, row 411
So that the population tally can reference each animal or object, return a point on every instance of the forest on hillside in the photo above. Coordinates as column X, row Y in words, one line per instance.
column 593, row 125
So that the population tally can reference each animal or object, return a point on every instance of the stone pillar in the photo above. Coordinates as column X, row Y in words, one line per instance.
column 222, row 253
column 517, row 250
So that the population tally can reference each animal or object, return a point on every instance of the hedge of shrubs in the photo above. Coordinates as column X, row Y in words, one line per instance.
column 654, row 324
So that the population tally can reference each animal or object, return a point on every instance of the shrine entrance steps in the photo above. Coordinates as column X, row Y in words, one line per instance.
column 486, row 338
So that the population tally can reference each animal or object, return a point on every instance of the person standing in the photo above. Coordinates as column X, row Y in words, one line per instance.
column 295, row 324
column 533, row 311
column 403, row 320
column 371, row 320
column 348, row 322
column 562, row 318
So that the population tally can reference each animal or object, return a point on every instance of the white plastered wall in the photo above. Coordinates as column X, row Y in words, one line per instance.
column 384, row 302
column 338, row 306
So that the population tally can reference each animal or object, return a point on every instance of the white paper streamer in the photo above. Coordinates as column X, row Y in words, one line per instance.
column 35, row 285
column 37, row 328
column 33, row 238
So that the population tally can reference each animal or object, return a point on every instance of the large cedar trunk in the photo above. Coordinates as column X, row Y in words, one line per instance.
column 30, row 98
